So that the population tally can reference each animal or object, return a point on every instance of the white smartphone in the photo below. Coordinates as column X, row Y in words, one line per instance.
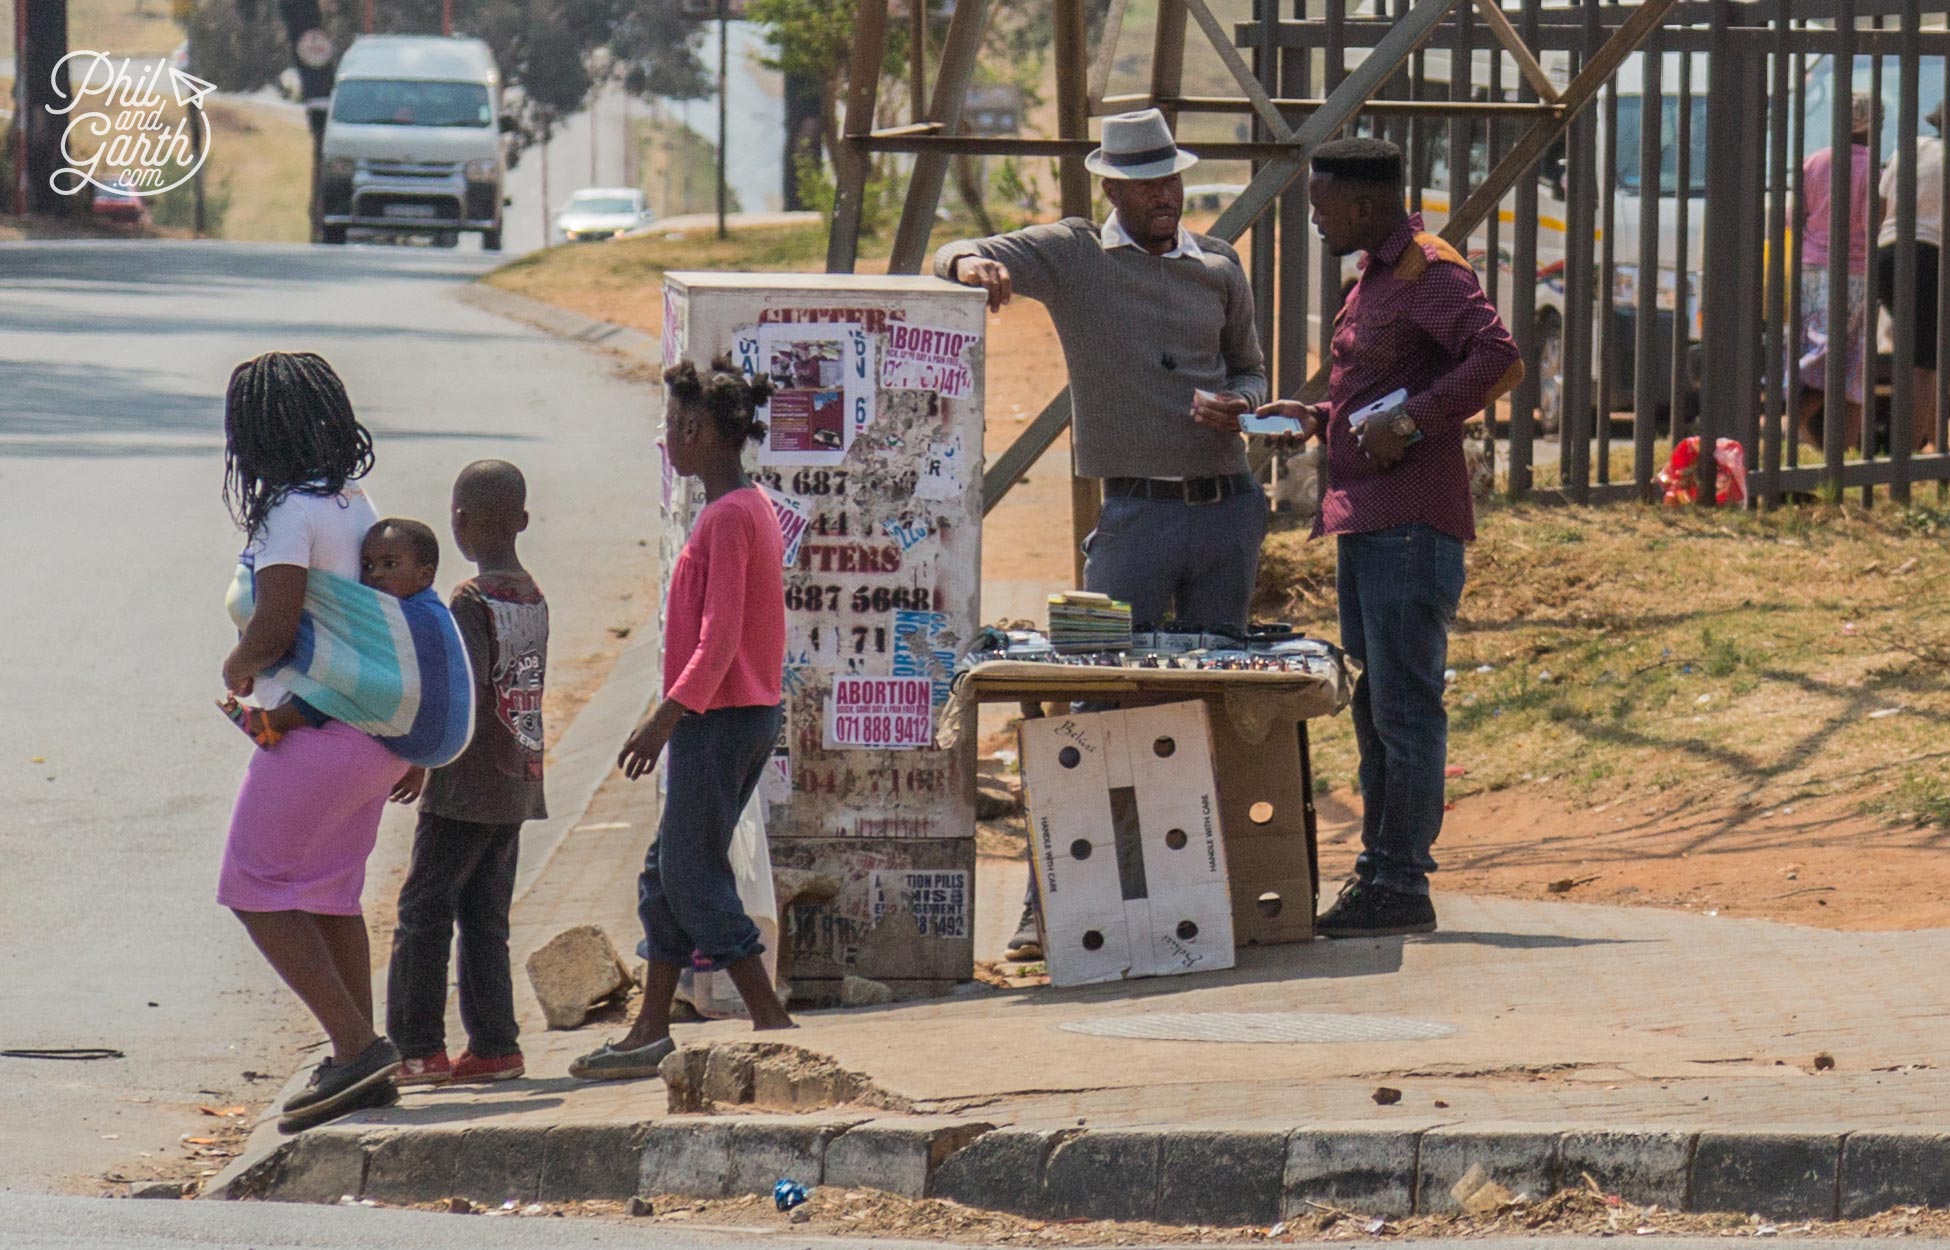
column 1387, row 403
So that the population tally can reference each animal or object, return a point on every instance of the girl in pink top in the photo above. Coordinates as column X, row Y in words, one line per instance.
column 724, row 658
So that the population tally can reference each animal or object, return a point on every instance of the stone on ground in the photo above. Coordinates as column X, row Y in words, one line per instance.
column 573, row 971
column 864, row 992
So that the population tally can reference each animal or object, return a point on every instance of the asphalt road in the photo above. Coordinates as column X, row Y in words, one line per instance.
column 94, row 1224
column 116, row 772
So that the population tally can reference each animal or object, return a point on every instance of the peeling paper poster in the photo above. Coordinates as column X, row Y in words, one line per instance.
column 937, row 900
column 883, row 713
column 925, row 358
column 823, row 393
column 795, row 518
column 942, row 472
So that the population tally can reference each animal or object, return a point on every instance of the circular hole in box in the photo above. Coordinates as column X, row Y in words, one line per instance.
column 1165, row 747
column 1187, row 930
column 1069, row 757
column 1260, row 813
column 1093, row 940
column 1176, row 839
column 1271, row 904
column 1080, row 849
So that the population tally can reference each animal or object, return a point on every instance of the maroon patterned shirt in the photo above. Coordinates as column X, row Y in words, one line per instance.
column 1416, row 319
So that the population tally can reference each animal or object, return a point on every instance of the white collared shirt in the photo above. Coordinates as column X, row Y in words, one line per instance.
column 1114, row 235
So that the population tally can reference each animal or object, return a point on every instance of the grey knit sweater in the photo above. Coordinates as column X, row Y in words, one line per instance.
column 1140, row 333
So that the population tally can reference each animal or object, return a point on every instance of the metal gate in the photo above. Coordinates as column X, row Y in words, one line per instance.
column 1630, row 179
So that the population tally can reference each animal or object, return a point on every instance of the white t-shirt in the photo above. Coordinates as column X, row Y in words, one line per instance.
column 1929, row 195
column 313, row 532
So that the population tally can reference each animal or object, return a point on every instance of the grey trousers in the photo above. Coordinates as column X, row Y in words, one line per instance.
column 1195, row 564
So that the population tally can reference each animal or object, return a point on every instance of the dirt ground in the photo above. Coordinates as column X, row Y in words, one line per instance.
column 868, row 1213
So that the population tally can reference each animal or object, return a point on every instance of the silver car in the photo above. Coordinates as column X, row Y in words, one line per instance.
column 601, row 213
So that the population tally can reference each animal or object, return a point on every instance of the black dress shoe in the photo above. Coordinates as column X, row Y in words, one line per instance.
column 1365, row 910
column 333, row 1084
column 382, row 1093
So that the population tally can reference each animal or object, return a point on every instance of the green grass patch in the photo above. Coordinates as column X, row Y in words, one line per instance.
column 1727, row 658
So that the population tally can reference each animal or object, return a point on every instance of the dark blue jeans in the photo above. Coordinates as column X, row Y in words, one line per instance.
column 463, row 874
column 1399, row 589
column 687, row 896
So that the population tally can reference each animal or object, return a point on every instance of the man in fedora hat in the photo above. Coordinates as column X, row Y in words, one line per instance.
column 1158, row 335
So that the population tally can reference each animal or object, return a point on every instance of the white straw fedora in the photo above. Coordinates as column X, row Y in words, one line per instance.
column 1137, row 146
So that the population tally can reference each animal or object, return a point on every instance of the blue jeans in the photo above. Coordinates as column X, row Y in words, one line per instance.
column 1176, row 561
column 1399, row 589
column 687, row 897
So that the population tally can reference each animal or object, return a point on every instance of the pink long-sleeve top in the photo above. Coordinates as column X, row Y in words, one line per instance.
column 724, row 628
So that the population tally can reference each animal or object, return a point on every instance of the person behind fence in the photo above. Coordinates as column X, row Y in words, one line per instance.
column 468, row 839
column 1819, row 227
column 1163, row 356
column 1399, row 505
column 1929, row 242
column 724, row 664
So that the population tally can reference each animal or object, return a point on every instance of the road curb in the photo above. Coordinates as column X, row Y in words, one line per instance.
column 1229, row 1177
column 562, row 323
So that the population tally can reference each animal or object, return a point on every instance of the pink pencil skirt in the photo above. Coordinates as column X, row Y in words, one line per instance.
column 306, row 819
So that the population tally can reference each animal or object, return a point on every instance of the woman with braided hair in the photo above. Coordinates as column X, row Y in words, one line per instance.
column 308, row 811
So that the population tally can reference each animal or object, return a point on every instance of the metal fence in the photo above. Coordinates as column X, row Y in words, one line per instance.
column 1682, row 302
column 1629, row 178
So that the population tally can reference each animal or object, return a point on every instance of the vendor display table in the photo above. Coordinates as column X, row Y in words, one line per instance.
column 1264, row 764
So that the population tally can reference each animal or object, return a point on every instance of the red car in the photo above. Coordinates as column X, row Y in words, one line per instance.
column 117, row 203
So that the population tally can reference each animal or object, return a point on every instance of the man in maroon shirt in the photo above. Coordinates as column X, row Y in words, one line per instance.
column 1398, row 502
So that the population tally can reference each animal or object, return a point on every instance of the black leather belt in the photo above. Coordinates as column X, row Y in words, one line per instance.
column 1196, row 491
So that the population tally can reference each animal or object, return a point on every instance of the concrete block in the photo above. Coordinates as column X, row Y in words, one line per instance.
column 573, row 971
column 1645, row 1168
column 415, row 1165
column 682, row 1072
column 1109, row 1175
column 763, row 1152
column 583, row 1162
column 690, row 1158
column 727, row 1076
column 893, row 1156
column 1000, row 1171
column 1523, row 1160
column 1887, row 1168
column 317, row 1166
column 496, row 1164
column 865, row 992
column 1360, row 1168
column 1779, row 1175
column 1221, row 1178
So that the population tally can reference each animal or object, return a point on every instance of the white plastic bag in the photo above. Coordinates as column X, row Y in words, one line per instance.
column 712, row 993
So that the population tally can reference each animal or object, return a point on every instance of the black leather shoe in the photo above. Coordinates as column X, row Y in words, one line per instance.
column 335, row 1084
column 1365, row 910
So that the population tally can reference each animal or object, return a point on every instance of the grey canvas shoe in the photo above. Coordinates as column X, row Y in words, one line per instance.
column 606, row 1063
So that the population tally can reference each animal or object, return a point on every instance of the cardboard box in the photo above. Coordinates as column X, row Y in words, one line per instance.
column 1124, row 813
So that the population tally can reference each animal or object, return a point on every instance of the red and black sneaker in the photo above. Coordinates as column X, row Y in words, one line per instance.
column 433, row 1069
column 473, row 1067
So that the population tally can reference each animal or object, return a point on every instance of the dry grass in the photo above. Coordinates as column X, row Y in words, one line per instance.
column 260, row 162
column 123, row 27
column 1736, row 659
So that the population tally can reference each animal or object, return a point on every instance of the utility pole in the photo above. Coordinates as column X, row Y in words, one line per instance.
column 370, row 15
column 20, row 108
column 547, row 237
column 446, row 17
column 595, row 97
column 917, row 60
column 724, row 78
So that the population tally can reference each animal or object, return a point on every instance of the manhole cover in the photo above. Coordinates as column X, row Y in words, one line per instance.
column 1232, row 1026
